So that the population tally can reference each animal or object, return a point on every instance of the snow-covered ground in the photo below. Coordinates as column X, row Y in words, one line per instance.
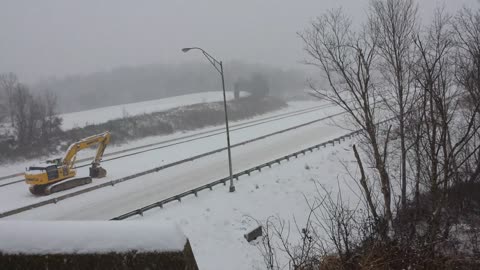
column 88, row 237
column 101, row 115
column 216, row 221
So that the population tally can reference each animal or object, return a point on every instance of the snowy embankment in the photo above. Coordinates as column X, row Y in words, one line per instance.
column 70, row 237
column 216, row 221
column 101, row 115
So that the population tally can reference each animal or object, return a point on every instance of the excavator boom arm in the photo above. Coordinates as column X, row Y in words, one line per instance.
column 101, row 148
column 101, row 139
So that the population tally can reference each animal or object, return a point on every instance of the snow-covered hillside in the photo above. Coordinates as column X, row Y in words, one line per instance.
column 101, row 115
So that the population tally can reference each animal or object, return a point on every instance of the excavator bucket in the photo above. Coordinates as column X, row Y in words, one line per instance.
column 97, row 172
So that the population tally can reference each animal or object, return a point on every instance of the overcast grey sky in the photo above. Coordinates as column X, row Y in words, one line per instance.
column 39, row 39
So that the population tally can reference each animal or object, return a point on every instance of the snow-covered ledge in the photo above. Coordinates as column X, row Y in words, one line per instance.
column 26, row 242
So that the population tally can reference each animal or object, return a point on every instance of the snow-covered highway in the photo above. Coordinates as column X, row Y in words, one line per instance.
column 108, row 202
column 172, row 140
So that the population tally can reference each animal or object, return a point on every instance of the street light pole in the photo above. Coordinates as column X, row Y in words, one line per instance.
column 219, row 68
column 232, row 187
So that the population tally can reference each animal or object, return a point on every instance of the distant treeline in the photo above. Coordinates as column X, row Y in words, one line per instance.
column 133, row 84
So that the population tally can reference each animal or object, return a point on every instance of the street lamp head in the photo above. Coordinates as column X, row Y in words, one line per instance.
column 186, row 49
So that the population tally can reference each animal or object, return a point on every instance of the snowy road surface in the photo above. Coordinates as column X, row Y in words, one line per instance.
column 17, row 195
column 110, row 202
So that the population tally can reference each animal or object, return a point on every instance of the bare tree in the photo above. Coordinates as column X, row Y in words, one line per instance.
column 36, row 118
column 3, row 106
column 20, row 110
column 51, row 122
column 33, row 117
column 394, row 24
column 8, row 84
column 467, row 29
column 347, row 60
column 446, row 129
column 433, row 90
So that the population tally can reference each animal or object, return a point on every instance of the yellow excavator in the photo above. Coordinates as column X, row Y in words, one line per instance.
column 52, row 176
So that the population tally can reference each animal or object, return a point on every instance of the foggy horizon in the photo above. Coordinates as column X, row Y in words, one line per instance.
column 45, row 39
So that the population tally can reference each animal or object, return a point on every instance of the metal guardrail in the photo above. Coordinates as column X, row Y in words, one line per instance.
column 224, row 180
column 236, row 176
column 133, row 176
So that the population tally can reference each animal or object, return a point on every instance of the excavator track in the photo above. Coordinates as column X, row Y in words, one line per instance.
column 42, row 190
column 68, row 184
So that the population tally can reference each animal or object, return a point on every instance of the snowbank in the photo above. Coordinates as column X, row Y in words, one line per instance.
column 67, row 237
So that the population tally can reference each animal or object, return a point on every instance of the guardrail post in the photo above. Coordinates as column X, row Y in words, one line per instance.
column 178, row 198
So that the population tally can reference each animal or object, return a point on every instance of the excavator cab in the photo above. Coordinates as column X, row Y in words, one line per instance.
column 40, row 175
column 40, row 178
column 56, row 161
